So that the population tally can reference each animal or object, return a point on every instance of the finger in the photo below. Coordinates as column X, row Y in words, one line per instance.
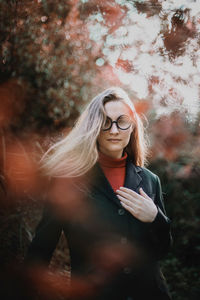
column 124, row 200
column 133, row 211
column 130, row 192
column 126, row 195
column 142, row 193
column 127, row 202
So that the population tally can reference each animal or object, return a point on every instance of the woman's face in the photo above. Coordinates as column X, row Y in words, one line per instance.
column 113, row 141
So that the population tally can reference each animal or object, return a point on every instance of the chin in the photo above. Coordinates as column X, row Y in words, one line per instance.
column 114, row 148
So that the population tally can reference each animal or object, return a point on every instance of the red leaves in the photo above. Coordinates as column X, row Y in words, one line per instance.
column 151, row 7
column 182, row 29
column 170, row 137
column 111, row 256
column 107, row 75
column 67, row 198
column 112, row 13
column 124, row 64
column 142, row 106
column 19, row 165
column 20, row 168
column 12, row 102
column 40, row 283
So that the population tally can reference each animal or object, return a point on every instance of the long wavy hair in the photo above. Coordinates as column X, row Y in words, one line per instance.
column 77, row 152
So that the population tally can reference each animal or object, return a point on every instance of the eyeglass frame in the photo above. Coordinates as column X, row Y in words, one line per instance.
column 116, row 122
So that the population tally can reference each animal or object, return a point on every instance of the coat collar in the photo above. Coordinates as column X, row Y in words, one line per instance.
column 100, row 184
column 132, row 177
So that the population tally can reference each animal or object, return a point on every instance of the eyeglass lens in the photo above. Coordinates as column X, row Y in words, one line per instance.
column 123, row 122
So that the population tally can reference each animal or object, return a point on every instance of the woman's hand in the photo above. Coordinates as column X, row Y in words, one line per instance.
column 140, row 206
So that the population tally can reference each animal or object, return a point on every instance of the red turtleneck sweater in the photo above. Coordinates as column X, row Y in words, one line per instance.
column 114, row 169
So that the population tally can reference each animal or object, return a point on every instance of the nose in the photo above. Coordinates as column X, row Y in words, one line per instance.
column 114, row 128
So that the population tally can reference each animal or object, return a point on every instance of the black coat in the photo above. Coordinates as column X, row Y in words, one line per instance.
column 113, row 251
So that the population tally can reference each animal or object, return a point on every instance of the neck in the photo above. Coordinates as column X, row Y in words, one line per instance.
column 108, row 161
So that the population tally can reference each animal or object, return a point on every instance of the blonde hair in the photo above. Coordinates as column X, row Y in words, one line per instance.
column 77, row 153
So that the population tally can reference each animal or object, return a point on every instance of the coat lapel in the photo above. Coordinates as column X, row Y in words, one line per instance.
column 132, row 178
column 100, row 184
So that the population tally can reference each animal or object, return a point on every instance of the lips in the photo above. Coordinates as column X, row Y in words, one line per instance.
column 114, row 140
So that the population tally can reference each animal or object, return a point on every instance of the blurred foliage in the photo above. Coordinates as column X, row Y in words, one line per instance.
column 64, row 52
column 54, row 57
column 181, row 192
column 175, row 157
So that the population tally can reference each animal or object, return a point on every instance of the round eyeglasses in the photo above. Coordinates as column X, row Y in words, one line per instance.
column 123, row 122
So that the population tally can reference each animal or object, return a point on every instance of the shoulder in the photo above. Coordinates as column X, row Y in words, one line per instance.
column 146, row 172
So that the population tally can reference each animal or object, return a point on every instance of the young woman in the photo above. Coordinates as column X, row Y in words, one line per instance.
column 109, row 206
